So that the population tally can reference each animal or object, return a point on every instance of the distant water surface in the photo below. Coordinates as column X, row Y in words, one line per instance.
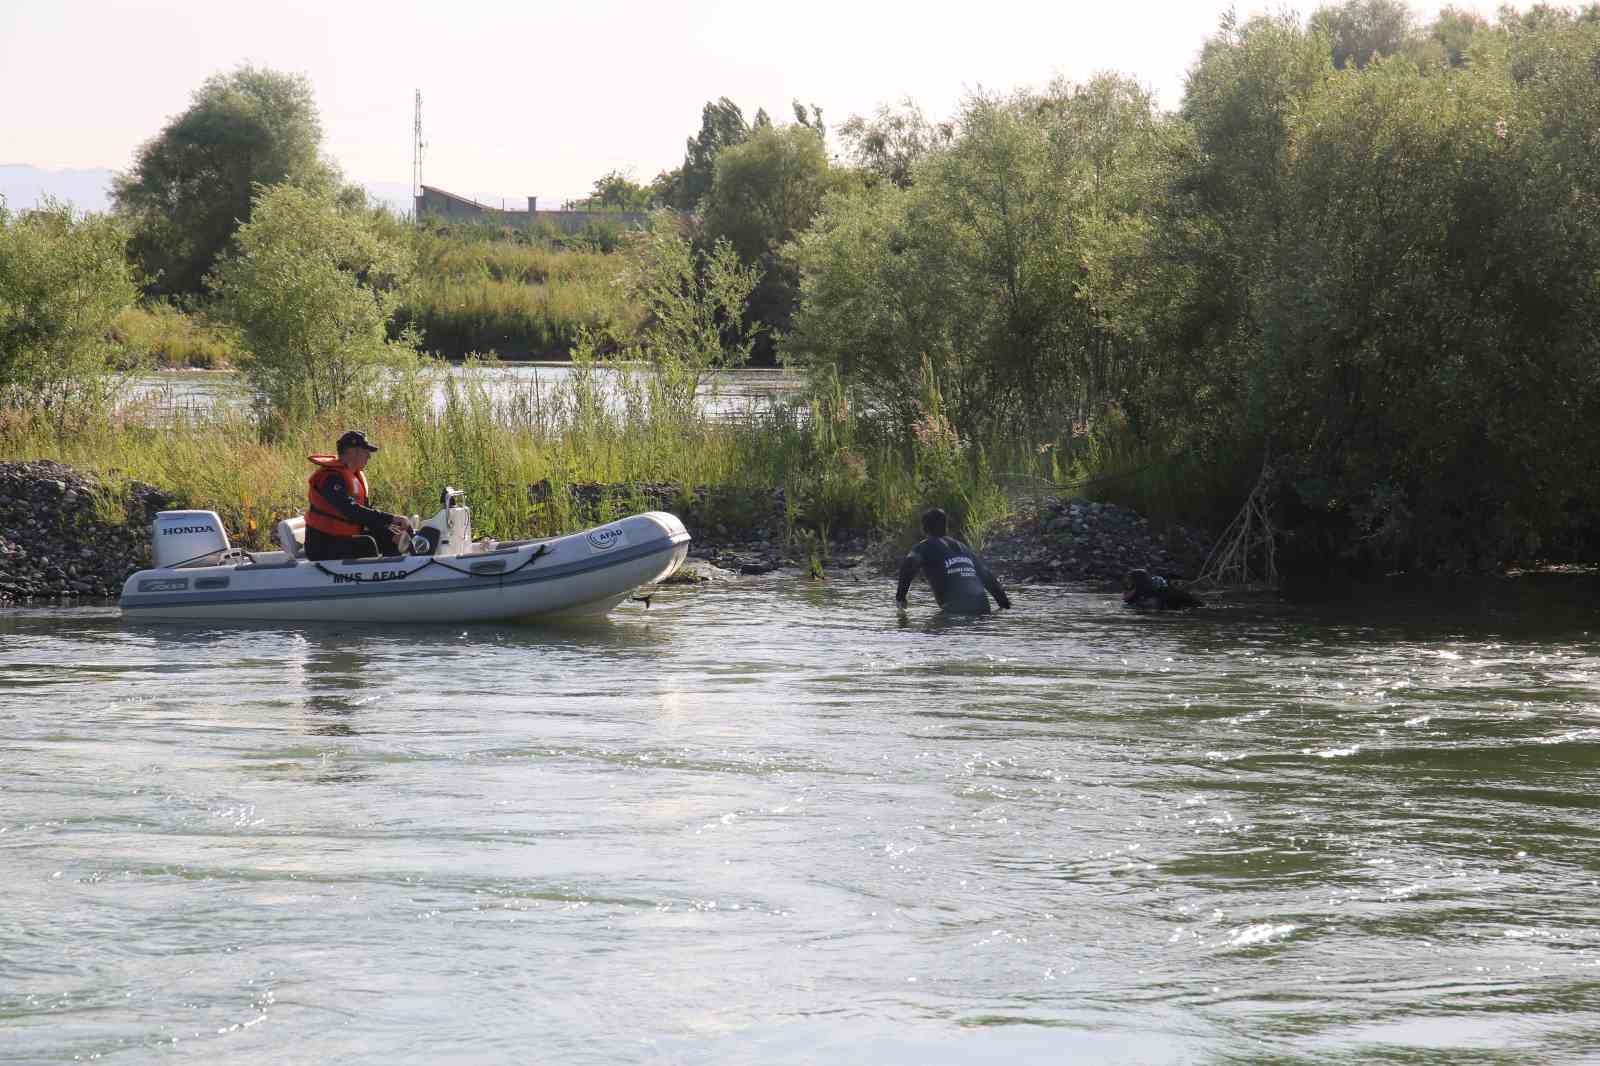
column 727, row 395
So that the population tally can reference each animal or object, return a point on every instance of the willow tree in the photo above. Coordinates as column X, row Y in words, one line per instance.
column 766, row 190
column 63, row 278
column 312, row 287
column 1005, row 264
column 192, row 185
column 1394, row 290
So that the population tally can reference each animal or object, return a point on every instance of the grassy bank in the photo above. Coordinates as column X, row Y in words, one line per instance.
column 160, row 335
column 519, row 300
column 839, row 472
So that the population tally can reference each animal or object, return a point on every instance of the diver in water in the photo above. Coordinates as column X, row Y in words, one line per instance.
column 1141, row 588
column 954, row 571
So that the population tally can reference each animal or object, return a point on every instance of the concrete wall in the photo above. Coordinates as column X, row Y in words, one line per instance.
column 576, row 221
column 436, row 203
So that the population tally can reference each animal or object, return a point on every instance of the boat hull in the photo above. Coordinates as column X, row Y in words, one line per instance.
column 586, row 573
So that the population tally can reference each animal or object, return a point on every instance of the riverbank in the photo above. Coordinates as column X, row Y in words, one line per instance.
column 66, row 534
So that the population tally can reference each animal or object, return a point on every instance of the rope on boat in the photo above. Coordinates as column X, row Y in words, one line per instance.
column 542, row 550
column 538, row 553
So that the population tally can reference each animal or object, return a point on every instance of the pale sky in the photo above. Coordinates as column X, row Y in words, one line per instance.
column 540, row 98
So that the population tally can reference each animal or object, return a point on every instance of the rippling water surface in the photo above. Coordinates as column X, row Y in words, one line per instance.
column 772, row 822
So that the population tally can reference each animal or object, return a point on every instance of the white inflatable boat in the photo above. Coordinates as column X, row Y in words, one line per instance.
column 444, row 577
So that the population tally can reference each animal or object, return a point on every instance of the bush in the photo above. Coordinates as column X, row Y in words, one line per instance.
column 695, row 310
column 311, row 289
column 63, row 280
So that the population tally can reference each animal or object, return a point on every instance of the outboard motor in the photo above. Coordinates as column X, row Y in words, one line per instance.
column 449, row 532
column 425, row 541
column 188, row 538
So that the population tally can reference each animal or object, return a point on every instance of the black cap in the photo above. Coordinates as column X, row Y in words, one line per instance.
column 356, row 439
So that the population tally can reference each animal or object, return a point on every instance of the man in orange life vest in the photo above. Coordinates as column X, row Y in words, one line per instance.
column 339, row 524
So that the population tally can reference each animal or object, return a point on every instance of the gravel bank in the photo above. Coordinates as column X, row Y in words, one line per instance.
column 1056, row 540
column 1080, row 540
column 55, row 540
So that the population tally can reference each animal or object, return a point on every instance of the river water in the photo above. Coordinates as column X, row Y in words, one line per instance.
column 774, row 822
column 723, row 395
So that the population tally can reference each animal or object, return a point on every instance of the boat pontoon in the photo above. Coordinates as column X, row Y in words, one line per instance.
column 445, row 576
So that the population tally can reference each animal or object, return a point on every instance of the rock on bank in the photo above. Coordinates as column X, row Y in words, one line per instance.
column 55, row 540
column 1051, row 541
column 1080, row 540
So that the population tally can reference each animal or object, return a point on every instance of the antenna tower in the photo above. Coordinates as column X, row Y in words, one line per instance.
column 417, row 145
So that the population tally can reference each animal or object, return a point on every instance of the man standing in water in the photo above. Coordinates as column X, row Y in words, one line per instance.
column 954, row 571
column 339, row 524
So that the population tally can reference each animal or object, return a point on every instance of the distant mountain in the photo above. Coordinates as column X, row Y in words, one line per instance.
column 392, row 194
column 90, row 190
column 23, row 186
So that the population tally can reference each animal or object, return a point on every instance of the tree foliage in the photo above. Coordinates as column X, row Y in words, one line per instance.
column 888, row 146
column 192, row 185
column 1396, row 293
column 63, row 279
column 695, row 307
column 722, row 125
column 1364, row 251
column 617, row 191
column 1359, row 31
column 765, row 192
column 767, row 188
column 1001, row 268
column 311, row 289
column 1452, row 34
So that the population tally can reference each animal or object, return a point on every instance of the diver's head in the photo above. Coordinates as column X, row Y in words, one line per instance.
column 935, row 522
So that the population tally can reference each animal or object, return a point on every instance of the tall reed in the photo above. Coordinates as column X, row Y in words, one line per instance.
column 518, row 300
column 467, row 428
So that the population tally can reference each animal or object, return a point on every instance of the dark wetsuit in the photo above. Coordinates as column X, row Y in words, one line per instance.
column 1146, row 590
column 955, row 573
column 378, row 541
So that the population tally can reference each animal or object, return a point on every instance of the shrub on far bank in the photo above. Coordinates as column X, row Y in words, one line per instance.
column 161, row 335
column 311, row 288
column 193, row 182
column 63, row 280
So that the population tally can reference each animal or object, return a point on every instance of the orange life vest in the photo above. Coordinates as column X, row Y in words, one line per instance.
column 322, row 515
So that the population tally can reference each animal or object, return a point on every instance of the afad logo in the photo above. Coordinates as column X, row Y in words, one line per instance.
column 603, row 540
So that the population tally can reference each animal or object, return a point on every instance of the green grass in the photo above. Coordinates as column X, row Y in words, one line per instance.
column 161, row 335
column 840, row 471
column 1112, row 465
column 517, row 300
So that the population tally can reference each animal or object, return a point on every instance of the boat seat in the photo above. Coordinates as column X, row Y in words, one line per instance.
column 291, row 536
